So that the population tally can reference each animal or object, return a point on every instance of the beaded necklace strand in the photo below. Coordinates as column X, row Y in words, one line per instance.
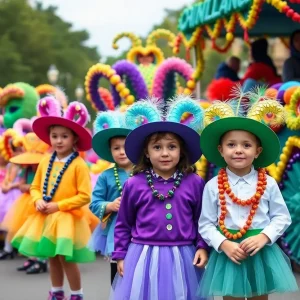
column 224, row 187
column 59, row 177
column 170, row 193
column 117, row 179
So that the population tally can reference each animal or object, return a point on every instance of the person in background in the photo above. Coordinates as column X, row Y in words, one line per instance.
column 229, row 69
column 291, row 67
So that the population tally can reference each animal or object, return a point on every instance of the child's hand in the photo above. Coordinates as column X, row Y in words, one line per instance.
column 6, row 188
column 24, row 188
column 202, row 257
column 41, row 205
column 233, row 251
column 254, row 243
column 114, row 206
column 51, row 208
column 120, row 267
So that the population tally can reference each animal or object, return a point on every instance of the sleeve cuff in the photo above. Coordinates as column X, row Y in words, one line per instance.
column 202, row 245
column 102, row 210
column 119, row 255
column 216, row 243
column 271, row 234
column 62, row 206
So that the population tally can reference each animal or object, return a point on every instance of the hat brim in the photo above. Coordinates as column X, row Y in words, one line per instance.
column 210, row 140
column 100, row 141
column 135, row 140
column 27, row 158
column 41, row 128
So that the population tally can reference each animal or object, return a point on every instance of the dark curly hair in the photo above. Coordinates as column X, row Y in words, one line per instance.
column 184, row 164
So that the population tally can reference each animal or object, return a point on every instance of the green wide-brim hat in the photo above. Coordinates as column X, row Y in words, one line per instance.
column 100, row 142
column 210, row 140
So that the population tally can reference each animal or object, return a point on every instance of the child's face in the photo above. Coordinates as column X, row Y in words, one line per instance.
column 117, row 148
column 62, row 140
column 239, row 149
column 164, row 154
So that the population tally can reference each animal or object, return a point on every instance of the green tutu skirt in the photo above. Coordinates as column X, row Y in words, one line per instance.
column 268, row 271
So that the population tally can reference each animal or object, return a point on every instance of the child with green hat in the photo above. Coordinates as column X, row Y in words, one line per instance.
column 243, row 212
column 108, row 143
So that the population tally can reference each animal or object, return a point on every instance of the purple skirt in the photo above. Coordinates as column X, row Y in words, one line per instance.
column 158, row 273
column 6, row 201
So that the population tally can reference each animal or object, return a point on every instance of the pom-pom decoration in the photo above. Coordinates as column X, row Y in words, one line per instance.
column 164, row 82
column 217, row 111
column 49, row 106
column 92, row 79
column 106, row 120
column 131, row 75
column 9, row 92
column 269, row 112
column 293, row 111
column 77, row 113
column 142, row 112
column 107, row 98
column 182, row 105
column 220, row 89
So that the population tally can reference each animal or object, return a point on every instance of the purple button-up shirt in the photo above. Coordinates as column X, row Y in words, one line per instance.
column 144, row 219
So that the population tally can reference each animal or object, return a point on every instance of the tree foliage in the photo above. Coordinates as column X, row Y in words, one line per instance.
column 33, row 38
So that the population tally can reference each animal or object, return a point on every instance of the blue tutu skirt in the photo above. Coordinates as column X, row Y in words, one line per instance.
column 158, row 273
column 266, row 272
column 102, row 239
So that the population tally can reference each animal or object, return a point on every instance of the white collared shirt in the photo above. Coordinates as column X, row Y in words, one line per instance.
column 64, row 160
column 272, row 214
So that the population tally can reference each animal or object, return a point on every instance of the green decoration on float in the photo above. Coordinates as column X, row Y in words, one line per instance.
column 208, row 11
column 19, row 100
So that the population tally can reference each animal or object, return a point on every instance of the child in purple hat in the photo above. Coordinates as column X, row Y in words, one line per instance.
column 160, row 255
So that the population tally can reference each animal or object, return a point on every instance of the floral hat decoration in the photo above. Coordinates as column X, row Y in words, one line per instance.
column 34, row 150
column 75, row 118
column 149, row 116
column 13, row 138
column 108, row 124
column 259, row 118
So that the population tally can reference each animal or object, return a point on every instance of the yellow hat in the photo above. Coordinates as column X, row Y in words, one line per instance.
column 35, row 150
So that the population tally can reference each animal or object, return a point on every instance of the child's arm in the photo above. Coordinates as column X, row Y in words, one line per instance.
column 208, row 221
column 35, row 188
column 99, row 196
column 201, row 244
column 83, row 186
column 125, row 221
column 12, row 174
column 278, row 212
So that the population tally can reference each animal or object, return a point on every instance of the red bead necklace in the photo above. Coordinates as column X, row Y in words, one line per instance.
column 224, row 188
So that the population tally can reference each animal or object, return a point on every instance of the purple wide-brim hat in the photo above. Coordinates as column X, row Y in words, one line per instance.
column 134, row 144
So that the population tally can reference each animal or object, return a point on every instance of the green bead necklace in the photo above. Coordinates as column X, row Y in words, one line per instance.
column 118, row 182
column 171, row 192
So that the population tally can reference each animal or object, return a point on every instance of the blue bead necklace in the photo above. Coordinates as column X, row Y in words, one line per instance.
column 59, row 177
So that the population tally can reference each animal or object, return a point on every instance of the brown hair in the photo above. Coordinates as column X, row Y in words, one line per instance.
column 116, row 137
column 55, row 125
column 183, row 166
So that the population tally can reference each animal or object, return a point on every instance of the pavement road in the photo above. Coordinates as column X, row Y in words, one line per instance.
column 95, row 277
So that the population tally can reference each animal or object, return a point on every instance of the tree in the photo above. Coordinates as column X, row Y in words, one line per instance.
column 33, row 38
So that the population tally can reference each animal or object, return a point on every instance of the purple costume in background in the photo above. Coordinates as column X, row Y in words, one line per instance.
column 7, row 199
column 158, row 240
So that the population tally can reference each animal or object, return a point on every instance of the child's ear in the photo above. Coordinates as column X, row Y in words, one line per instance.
column 258, row 151
column 220, row 150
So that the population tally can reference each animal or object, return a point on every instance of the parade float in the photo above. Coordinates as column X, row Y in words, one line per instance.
column 144, row 73
column 19, row 100
column 222, row 22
